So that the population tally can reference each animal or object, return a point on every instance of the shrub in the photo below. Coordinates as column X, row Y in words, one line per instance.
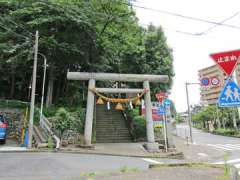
column 139, row 127
column 62, row 121
column 226, row 132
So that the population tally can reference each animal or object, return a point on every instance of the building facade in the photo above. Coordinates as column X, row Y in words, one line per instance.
column 211, row 92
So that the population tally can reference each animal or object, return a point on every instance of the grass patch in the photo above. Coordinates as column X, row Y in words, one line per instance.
column 126, row 169
column 13, row 104
column 89, row 174
column 193, row 165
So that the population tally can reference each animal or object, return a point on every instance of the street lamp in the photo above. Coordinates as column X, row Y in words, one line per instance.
column 43, row 86
column 189, row 111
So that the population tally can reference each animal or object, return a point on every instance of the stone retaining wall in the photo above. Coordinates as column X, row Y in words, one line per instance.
column 15, row 119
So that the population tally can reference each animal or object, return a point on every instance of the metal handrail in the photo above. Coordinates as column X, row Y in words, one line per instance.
column 129, row 123
column 44, row 123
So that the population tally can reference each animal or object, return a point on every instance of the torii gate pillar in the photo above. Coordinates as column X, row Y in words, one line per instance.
column 151, row 145
column 89, row 113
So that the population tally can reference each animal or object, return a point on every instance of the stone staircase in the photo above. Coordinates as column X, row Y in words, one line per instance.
column 40, row 137
column 43, row 133
column 111, row 126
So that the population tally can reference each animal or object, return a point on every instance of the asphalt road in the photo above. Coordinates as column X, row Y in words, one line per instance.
column 229, row 145
column 60, row 165
column 34, row 166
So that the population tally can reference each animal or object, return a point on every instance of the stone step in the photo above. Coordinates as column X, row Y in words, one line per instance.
column 114, row 137
column 40, row 134
column 111, row 126
column 111, row 123
column 113, row 130
column 113, row 140
column 100, row 119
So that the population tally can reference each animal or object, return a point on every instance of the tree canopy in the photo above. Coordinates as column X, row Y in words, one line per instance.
column 86, row 36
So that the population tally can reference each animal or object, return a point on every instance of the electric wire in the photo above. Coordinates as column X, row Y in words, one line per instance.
column 227, row 19
column 182, row 16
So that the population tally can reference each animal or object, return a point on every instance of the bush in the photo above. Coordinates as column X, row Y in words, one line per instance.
column 226, row 132
column 68, row 119
column 139, row 127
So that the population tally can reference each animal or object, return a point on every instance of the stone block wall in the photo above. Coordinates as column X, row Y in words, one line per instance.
column 15, row 118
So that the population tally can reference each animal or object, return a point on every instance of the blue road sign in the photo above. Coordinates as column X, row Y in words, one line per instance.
column 205, row 81
column 167, row 103
column 230, row 95
column 161, row 110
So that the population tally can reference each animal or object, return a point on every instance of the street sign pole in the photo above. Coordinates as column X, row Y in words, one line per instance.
column 165, row 131
column 189, row 114
column 161, row 96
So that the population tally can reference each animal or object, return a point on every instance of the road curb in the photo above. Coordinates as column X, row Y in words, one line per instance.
column 172, row 156
column 187, row 164
column 177, row 155
column 20, row 151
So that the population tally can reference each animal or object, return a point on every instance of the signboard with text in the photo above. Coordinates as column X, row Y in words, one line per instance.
column 155, row 111
column 227, row 61
column 161, row 96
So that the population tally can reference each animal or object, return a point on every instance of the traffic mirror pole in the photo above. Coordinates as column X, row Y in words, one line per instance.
column 189, row 114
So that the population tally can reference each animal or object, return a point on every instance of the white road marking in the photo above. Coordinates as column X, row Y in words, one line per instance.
column 235, row 146
column 151, row 161
column 228, row 162
column 220, row 147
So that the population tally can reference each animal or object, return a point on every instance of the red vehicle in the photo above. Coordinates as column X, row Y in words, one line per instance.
column 3, row 128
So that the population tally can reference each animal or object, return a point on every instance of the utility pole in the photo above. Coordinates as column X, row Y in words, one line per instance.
column 30, row 126
column 189, row 114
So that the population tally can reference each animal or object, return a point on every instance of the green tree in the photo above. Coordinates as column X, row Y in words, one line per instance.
column 93, row 36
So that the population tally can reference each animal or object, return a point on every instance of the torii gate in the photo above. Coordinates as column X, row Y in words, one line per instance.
column 93, row 77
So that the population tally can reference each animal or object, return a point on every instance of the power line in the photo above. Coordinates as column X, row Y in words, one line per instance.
column 183, row 16
column 210, row 28
column 174, row 30
column 205, row 31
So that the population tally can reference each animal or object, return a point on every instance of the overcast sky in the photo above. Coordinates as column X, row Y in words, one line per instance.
column 191, row 53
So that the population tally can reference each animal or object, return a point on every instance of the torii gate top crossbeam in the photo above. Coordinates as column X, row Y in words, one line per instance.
column 117, row 77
